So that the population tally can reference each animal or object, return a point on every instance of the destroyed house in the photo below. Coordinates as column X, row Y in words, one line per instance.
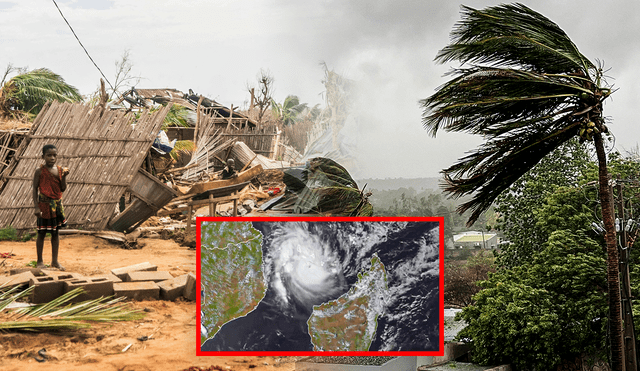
column 224, row 118
column 104, row 150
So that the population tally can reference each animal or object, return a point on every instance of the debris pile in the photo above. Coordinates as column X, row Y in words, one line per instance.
column 135, row 166
column 141, row 281
column 322, row 187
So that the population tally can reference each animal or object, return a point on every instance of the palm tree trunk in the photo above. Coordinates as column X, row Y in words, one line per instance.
column 613, row 274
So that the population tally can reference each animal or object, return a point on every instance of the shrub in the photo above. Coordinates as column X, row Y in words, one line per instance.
column 537, row 314
column 461, row 277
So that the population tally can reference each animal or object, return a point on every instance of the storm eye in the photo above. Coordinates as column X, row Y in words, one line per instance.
column 306, row 270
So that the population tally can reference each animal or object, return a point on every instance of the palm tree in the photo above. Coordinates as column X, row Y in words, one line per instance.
column 29, row 91
column 527, row 89
column 289, row 110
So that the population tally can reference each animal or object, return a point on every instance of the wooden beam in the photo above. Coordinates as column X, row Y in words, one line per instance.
column 242, row 177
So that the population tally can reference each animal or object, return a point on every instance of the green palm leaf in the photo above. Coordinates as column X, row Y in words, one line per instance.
column 513, row 35
column 176, row 117
column 30, row 91
column 60, row 313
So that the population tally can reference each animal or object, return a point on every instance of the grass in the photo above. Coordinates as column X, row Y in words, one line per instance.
column 34, row 264
column 8, row 234
column 11, row 234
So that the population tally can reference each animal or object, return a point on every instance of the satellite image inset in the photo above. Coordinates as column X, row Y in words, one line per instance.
column 320, row 286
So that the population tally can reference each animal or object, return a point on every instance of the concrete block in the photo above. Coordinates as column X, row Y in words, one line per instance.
column 48, row 288
column 57, row 273
column 137, row 290
column 157, row 276
column 394, row 364
column 452, row 351
column 173, row 288
column 20, row 279
column 190, row 289
column 122, row 272
column 35, row 271
column 93, row 287
column 108, row 276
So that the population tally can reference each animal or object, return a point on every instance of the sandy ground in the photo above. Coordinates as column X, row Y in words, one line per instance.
column 172, row 324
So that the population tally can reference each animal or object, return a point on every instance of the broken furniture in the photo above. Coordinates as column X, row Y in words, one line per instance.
column 211, row 197
column 150, row 195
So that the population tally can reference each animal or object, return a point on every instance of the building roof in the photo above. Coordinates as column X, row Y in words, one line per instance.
column 473, row 237
column 223, row 114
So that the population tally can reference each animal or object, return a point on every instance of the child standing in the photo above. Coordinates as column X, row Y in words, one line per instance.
column 49, row 181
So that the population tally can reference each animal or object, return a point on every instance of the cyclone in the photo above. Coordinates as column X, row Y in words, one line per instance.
column 303, row 269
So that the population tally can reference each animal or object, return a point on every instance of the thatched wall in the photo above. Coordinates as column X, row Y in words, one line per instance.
column 103, row 151
column 263, row 141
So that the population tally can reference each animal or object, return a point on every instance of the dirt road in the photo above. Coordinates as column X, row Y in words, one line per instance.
column 172, row 324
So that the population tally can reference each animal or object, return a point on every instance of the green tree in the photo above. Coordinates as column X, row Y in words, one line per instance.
column 29, row 91
column 546, row 310
column 564, row 167
column 289, row 110
column 527, row 89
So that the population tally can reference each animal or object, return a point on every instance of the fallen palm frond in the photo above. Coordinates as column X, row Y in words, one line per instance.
column 29, row 91
column 323, row 187
column 177, row 117
column 182, row 147
column 60, row 313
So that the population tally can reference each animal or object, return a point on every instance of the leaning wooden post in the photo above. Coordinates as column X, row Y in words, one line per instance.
column 195, row 132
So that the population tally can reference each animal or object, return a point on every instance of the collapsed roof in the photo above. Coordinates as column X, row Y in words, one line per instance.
column 148, row 97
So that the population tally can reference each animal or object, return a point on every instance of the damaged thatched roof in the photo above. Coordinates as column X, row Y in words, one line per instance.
column 103, row 149
column 147, row 97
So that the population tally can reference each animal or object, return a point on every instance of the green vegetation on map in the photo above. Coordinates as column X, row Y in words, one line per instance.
column 231, row 272
column 349, row 323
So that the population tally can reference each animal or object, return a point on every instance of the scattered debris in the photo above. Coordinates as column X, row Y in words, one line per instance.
column 322, row 187
column 126, row 178
column 42, row 353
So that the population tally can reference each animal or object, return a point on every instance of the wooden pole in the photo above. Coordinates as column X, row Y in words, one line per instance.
column 230, row 117
column 625, row 289
column 189, row 212
column 212, row 209
column 195, row 132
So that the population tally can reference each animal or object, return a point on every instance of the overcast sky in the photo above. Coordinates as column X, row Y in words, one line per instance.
column 218, row 47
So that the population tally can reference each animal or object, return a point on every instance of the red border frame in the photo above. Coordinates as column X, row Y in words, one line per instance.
column 440, row 352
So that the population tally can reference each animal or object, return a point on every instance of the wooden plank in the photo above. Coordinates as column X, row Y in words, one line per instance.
column 248, row 135
column 97, row 139
column 191, row 204
column 189, row 213
column 245, row 176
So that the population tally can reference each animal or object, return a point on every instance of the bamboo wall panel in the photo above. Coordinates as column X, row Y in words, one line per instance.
column 103, row 150
column 262, row 141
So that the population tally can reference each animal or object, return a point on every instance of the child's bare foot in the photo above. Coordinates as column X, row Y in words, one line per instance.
column 57, row 265
column 40, row 265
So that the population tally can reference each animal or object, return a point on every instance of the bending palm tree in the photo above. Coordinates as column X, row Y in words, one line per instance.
column 289, row 110
column 29, row 91
column 527, row 89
